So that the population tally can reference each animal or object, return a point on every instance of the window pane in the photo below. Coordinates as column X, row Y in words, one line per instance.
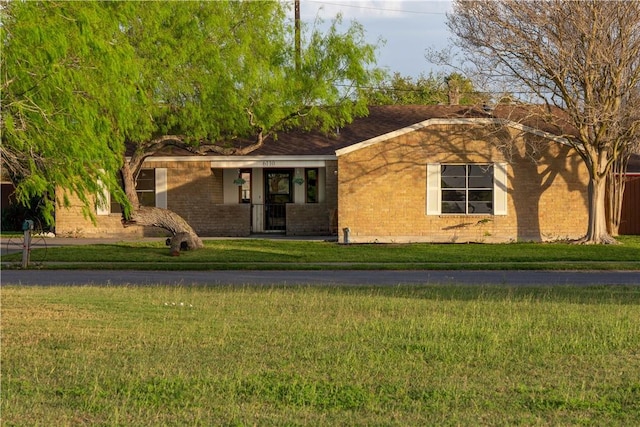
column 245, row 189
column 453, row 176
column 453, row 170
column 480, row 176
column 147, row 198
column 453, row 196
column 279, row 183
column 453, row 207
column 312, row 185
column 480, row 207
column 453, row 201
column 480, row 201
column 146, row 180
column 453, row 182
column 480, row 195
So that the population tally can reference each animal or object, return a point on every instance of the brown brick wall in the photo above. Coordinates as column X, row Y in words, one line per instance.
column 194, row 191
column 228, row 221
column 382, row 188
column 312, row 219
column 71, row 222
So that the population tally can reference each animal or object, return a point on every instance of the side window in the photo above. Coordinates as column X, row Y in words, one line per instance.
column 244, row 185
column 151, row 188
column 311, row 180
column 466, row 189
column 146, row 187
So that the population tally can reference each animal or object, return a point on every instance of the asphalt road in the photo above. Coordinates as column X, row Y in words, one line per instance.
column 330, row 277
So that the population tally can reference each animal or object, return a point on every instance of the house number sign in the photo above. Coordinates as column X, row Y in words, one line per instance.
column 269, row 163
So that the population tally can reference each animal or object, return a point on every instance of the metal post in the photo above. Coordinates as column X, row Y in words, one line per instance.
column 27, row 226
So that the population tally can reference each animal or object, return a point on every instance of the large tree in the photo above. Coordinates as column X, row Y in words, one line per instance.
column 424, row 90
column 61, row 69
column 207, row 76
column 579, row 56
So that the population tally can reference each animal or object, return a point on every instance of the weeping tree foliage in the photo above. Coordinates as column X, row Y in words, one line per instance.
column 207, row 76
column 580, row 56
column 220, row 71
column 64, row 82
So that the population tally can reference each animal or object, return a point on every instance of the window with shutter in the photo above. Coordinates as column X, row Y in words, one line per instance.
column 466, row 189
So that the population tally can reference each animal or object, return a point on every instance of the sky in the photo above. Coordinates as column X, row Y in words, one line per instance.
column 408, row 26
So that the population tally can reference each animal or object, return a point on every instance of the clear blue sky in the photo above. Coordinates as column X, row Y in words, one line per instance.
column 408, row 26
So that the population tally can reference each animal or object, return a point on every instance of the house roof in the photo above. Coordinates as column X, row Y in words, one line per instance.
column 386, row 119
column 389, row 118
column 381, row 120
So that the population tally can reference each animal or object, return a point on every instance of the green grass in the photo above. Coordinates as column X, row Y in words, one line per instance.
column 426, row 355
column 283, row 254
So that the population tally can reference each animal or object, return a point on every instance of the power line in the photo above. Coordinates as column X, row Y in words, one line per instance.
column 376, row 8
column 473, row 92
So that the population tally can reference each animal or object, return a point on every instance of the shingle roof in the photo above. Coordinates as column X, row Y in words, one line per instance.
column 385, row 119
column 389, row 118
column 381, row 120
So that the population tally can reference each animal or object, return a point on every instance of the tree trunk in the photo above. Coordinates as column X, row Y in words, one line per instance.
column 170, row 221
column 129, row 185
column 597, row 229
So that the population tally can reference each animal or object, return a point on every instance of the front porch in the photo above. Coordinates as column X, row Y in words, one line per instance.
column 290, row 219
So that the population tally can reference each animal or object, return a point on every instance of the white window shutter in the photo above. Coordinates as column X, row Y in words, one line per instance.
column 161, row 188
column 434, row 202
column 103, row 202
column 500, row 179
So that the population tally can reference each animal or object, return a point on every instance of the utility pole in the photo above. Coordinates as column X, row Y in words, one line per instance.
column 296, row 8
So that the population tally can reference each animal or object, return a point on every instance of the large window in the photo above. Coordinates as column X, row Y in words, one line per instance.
column 466, row 189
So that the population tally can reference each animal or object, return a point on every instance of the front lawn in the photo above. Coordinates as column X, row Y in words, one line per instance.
column 283, row 254
column 425, row 355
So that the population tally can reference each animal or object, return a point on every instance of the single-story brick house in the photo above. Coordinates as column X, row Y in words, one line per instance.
column 401, row 174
